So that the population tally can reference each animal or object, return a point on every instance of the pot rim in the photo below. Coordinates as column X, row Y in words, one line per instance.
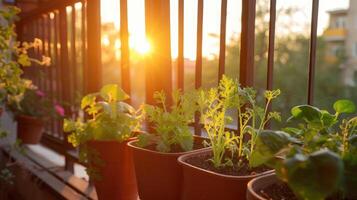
column 131, row 144
column 113, row 141
column 133, row 137
column 250, row 184
column 32, row 119
column 182, row 160
column 29, row 117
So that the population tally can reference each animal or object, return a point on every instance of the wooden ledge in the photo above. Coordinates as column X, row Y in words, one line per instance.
column 62, row 184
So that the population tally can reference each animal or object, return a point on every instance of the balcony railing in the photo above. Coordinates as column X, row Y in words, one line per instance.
column 71, row 31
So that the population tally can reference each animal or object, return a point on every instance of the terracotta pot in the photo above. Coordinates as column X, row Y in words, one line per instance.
column 258, row 184
column 201, row 184
column 117, row 173
column 159, row 175
column 29, row 129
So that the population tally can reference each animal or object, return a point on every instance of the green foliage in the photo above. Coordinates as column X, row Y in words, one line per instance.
column 322, row 148
column 13, row 55
column 214, row 105
column 251, row 119
column 171, row 126
column 344, row 106
column 108, row 119
column 269, row 145
column 312, row 177
column 35, row 103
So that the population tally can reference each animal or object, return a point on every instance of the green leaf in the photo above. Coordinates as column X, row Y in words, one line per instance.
column 185, row 139
column 88, row 100
column 268, row 144
column 328, row 119
column 306, row 112
column 344, row 106
column 316, row 176
column 113, row 92
column 144, row 139
column 24, row 60
column 68, row 125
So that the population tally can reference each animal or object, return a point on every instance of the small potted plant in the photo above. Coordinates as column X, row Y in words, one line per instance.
column 31, row 113
column 155, row 153
column 14, row 56
column 223, row 171
column 102, row 139
column 312, row 161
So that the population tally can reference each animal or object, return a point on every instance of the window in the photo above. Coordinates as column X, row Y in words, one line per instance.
column 340, row 22
column 354, row 49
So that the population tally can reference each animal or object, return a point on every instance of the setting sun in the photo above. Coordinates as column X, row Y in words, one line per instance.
column 141, row 46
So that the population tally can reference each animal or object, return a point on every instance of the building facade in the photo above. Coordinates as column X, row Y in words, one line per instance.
column 341, row 41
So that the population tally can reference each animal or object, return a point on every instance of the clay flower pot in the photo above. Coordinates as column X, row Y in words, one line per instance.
column 29, row 129
column 259, row 184
column 159, row 175
column 202, row 184
column 117, row 175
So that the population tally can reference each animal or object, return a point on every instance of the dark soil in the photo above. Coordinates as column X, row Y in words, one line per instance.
column 278, row 191
column 176, row 148
column 242, row 169
column 281, row 191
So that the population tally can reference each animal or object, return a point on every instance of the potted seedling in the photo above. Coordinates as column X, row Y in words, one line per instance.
column 155, row 153
column 223, row 171
column 315, row 161
column 102, row 139
column 31, row 114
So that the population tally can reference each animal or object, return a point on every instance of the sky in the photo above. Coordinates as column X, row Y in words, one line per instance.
column 211, row 13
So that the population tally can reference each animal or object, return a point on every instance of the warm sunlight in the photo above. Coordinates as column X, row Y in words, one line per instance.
column 140, row 45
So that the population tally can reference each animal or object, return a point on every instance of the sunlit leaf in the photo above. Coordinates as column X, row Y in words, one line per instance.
column 344, row 106
column 306, row 112
column 113, row 92
column 269, row 143
column 88, row 100
column 313, row 177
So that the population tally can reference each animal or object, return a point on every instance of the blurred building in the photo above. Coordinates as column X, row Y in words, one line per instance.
column 341, row 41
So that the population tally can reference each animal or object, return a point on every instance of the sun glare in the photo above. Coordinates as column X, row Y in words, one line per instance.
column 141, row 46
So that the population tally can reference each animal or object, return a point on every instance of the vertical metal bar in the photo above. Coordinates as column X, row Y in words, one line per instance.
column 84, row 43
column 180, row 58
column 124, row 39
column 74, row 69
column 49, row 70
column 44, row 52
column 312, row 61
column 58, row 56
column 64, row 80
column 247, row 43
column 94, row 72
column 41, row 51
column 158, row 67
column 222, row 43
column 270, row 71
column 270, row 64
column 198, row 72
column 38, row 51
column 55, row 69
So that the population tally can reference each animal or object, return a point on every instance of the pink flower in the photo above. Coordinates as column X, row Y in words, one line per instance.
column 40, row 93
column 59, row 110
